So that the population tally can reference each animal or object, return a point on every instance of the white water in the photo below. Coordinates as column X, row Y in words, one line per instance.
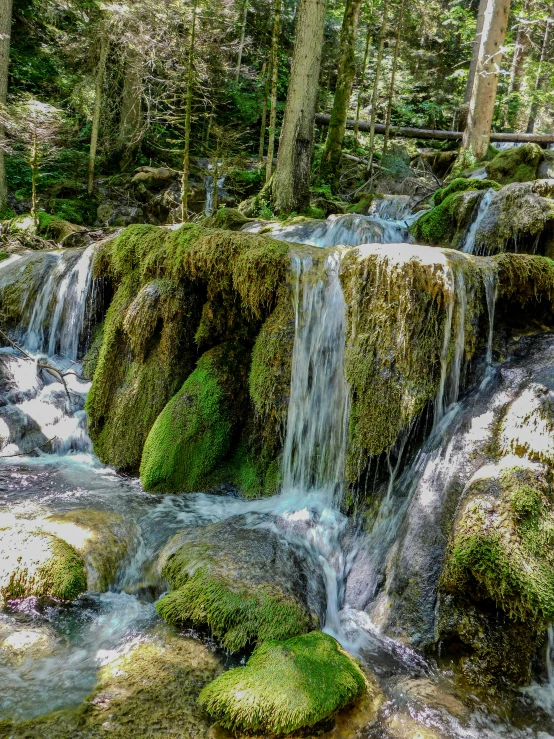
column 469, row 241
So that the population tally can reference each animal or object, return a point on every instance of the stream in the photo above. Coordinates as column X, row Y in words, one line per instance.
column 47, row 466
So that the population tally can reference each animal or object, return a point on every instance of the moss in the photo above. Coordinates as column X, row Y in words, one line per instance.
column 285, row 686
column 503, row 541
column 523, row 278
column 40, row 564
column 397, row 305
column 90, row 360
column 447, row 222
column 226, row 218
column 3, row 255
column 519, row 164
column 238, row 616
column 461, row 184
column 194, row 432
column 363, row 205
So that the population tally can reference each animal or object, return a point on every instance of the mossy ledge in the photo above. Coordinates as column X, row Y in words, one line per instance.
column 237, row 615
column 285, row 686
column 175, row 289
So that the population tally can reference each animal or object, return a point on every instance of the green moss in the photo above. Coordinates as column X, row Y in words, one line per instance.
column 285, row 686
column 38, row 563
column 519, row 164
column 193, row 433
column 226, row 218
column 237, row 616
column 3, row 255
column 446, row 223
column 362, row 205
column 503, row 540
column 90, row 360
column 524, row 277
column 462, row 184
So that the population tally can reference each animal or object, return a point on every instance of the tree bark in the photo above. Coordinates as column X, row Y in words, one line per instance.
column 346, row 72
column 481, row 106
column 5, row 34
column 131, row 106
column 274, row 63
column 375, row 93
column 393, row 74
column 521, row 52
column 464, row 110
column 188, row 110
column 241, row 43
column 361, row 90
column 104, row 44
column 264, row 113
column 541, row 76
column 291, row 181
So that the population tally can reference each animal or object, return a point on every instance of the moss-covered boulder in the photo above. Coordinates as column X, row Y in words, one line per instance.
column 500, row 559
column 462, row 184
column 402, row 301
column 241, row 583
column 519, row 164
column 194, row 433
column 229, row 218
column 447, row 222
column 174, row 290
column 285, row 686
column 37, row 563
column 101, row 538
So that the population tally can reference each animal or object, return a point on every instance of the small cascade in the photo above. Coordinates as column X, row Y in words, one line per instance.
column 316, row 438
column 491, row 290
column 392, row 208
column 469, row 241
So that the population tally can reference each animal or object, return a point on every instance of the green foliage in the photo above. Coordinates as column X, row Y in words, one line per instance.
column 285, row 686
column 237, row 616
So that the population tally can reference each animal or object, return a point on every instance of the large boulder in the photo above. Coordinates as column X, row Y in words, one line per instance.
column 285, row 686
column 241, row 581
column 519, row 164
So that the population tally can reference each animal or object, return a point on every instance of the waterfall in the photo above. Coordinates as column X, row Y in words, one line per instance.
column 209, row 204
column 469, row 241
column 491, row 290
column 317, row 425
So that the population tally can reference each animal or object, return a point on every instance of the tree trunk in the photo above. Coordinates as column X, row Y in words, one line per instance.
column 521, row 52
column 375, row 93
column 264, row 113
column 97, row 108
column 346, row 72
column 541, row 76
column 188, row 109
column 5, row 33
column 361, row 90
column 481, row 107
column 464, row 111
column 274, row 63
column 33, row 165
column 393, row 74
column 241, row 43
column 130, row 124
column 291, row 181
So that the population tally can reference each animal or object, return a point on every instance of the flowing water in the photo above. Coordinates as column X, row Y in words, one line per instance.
column 363, row 575
column 469, row 242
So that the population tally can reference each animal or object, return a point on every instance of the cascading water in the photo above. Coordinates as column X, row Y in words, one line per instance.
column 469, row 241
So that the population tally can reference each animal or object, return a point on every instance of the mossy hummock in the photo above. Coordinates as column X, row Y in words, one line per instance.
column 447, row 222
column 519, row 164
column 462, row 184
column 285, row 686
column 239, row 614
column 38, row 563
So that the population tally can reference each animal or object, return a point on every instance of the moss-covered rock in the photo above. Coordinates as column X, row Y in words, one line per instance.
column 40, row 564
column 194, row 433
column 501, row 558
column 524, row 279
column 519, row 164
column 398, row 302
column 174, row 290
column 240, row 583
column 462, row 184
column 228, row 218
column 101, row 538
column 285, row 686
column 446, row 223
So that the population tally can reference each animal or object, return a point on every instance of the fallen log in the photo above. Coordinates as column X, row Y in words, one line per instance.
column 322, row 119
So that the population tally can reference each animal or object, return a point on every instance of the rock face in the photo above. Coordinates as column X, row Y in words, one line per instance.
column 518, row 218
column 237, row 579
column 285, row 686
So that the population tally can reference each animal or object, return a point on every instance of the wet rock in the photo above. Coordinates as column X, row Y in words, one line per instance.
column 18, row 644
column 546, row 167
column 498, row 575
column 528, row 426
column 519, row 164
column 40, row 564
column 240, row 579
column 154, row 176
column 285, row 686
